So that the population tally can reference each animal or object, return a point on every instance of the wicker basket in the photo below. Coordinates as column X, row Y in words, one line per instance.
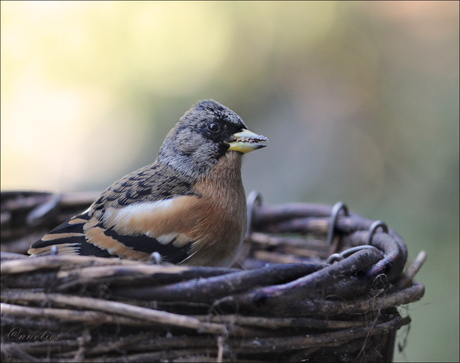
column 313, row 283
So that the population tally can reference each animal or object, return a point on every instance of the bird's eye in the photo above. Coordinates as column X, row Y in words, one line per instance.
column 213, row 127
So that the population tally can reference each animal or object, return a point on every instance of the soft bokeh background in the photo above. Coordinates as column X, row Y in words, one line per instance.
column 360, row 101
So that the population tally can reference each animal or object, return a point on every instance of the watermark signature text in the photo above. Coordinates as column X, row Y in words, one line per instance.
column 16, row 333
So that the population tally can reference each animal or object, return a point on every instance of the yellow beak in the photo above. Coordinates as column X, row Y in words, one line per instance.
column 246, row 141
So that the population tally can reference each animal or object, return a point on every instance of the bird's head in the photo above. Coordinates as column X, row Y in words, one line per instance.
column 206, row 132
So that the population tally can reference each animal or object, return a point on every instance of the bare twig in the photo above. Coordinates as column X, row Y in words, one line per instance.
column 66, row 315
column 408, row 277
column 153, row 316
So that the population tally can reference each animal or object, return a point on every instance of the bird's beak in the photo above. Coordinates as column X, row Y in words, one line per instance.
column 246, row 141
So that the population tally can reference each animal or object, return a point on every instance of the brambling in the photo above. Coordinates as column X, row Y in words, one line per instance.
column 189, row 205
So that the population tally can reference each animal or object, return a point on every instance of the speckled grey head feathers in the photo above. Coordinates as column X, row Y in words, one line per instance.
column 210, row 110
column 200, row 138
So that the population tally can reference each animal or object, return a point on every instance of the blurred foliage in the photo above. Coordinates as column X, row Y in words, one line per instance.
column 360, row 101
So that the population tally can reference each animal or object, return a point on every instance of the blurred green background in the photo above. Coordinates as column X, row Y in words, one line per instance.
column 360, row 101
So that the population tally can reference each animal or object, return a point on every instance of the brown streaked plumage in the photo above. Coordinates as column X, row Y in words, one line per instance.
column 189, row 205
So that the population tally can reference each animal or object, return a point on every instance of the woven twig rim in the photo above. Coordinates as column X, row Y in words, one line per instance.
column 96, row 309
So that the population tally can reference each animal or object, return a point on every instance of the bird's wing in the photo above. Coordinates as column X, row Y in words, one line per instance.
column 69, row 238
column 134, row 217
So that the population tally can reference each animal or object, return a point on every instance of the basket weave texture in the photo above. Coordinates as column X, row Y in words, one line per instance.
column 312, row 283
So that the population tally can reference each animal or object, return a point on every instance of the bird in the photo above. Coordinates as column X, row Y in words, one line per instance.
column 188, row 206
